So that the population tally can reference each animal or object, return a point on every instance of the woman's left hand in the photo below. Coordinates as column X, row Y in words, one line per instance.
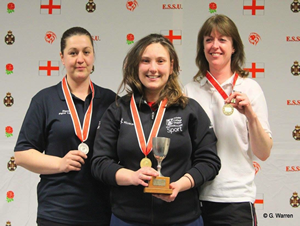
column 241, row 102
column 171, row 197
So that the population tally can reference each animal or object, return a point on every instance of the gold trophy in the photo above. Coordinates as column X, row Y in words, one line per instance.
column 160, row 184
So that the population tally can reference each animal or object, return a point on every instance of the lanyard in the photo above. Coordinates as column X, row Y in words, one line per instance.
column 146, row 148
column 81, row 132
column 216, row 84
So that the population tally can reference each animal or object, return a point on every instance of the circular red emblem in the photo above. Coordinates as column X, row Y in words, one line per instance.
column 10, row 196
column 130, row 39
column 11, row 6
column 213, row 6
column 8, row 129
column 9, row 67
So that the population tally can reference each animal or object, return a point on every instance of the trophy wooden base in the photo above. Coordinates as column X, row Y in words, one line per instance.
column 159, row 185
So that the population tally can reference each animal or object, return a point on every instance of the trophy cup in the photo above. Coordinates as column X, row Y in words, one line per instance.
column 160, row 184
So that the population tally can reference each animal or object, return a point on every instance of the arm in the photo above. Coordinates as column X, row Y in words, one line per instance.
column 40, row 163
column 205, row 161
column 260, row 141
column 186, row 182
column 33, row 139
column 105, row 158
column 128, row 177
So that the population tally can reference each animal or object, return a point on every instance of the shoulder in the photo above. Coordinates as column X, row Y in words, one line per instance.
column 193, row 88
column 103, row 92
column 193, row 107
column 194, row 104
column 192, row 85
column 249, row 81
column 120, row 104
column 46, row 93
column 124, row 100
column 248, row 84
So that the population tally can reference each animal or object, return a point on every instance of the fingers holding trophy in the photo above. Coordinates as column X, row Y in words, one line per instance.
column 160, row 184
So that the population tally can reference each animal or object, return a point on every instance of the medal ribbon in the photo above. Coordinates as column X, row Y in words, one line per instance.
column 216, row 84
column 146, row 148
column 82, row 133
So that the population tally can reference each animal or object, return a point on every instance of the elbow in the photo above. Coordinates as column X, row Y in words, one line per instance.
column 264, row 158
column 18, row 159
column 22, row 157
column 264, row 155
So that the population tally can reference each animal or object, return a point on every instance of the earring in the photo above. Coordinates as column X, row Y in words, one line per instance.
column 93, row 69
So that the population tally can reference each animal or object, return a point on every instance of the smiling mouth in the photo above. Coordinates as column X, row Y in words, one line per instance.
column 216, row 54
column 152, row 76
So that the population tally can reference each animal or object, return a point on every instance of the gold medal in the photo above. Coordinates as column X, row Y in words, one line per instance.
column 145, row 162
column 227, row 109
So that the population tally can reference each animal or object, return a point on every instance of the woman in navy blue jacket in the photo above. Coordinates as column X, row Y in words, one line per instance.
column 154, row 97
column 50, row 141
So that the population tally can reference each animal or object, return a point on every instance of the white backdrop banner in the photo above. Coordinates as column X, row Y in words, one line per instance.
column 31, row 32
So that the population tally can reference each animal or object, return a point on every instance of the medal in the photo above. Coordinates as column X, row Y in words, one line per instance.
column 83, row 147
column 82, row 132
column 227, row 108
column 145, row 162
column 146, row 147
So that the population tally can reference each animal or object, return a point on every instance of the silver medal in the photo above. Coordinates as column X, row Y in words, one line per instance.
column 84, row 148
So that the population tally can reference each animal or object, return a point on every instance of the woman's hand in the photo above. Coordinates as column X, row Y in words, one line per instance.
column 260, row 141
column 169, row 198
column 40, row 163
column 142, row 175
column 72, row 161
column 184, row 183
column 139, row 177
column 241, row 102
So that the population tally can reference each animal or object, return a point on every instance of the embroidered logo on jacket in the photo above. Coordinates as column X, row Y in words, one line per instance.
column 64, row 112
column 174, row 125
column 125, row 122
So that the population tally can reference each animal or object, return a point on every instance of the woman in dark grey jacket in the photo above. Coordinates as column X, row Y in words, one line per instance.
column 154, row 107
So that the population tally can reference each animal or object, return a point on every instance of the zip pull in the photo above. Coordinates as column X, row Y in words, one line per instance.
column 152, row 115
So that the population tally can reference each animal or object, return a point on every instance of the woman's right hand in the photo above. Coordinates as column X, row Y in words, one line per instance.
column 142, row 175
column 128, row 177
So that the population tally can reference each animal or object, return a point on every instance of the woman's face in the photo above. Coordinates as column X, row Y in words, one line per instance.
column 78, row 57
column 154, row 68
column 218, row 50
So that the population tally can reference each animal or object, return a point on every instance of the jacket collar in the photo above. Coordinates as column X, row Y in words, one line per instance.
column 62, row 97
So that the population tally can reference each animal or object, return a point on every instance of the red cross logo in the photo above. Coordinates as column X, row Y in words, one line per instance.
column 254, row 70
column 254, row 7
column 48, row 68
column 50, row 7
column 172, row 37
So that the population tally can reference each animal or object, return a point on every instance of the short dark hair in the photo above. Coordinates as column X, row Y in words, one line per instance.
column 71, row 32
